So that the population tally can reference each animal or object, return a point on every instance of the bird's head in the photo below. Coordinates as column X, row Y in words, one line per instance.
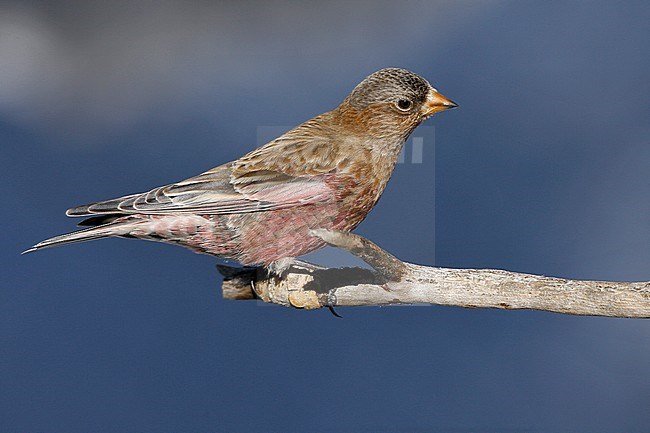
column 394, row 100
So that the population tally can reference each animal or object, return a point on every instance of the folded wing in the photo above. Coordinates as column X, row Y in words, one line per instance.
column 266, row 179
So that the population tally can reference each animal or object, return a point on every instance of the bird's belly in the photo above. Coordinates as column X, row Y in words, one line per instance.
column 260, row 238
column 268, row 236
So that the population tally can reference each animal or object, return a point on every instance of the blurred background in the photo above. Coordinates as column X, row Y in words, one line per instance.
column 542, row 169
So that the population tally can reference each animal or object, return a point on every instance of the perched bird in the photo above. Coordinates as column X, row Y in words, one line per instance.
column 326, row 173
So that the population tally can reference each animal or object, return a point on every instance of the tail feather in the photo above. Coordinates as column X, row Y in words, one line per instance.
column 98, row 232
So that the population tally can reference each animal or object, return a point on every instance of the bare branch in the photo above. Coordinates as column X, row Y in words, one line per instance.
column 396, row 282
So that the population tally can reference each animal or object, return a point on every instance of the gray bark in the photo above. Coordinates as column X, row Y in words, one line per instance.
column 395, row 282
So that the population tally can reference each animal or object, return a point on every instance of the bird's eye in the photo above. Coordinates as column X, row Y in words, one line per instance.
column 404, row 104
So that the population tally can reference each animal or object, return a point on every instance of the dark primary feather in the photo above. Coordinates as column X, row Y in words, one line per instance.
column 98, row 220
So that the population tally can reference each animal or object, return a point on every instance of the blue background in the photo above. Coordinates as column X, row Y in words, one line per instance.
column 543, row 169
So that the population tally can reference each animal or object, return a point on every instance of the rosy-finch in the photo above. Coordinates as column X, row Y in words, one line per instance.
column 327, row 173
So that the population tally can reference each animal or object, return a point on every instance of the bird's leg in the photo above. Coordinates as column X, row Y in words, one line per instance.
column 279, row 268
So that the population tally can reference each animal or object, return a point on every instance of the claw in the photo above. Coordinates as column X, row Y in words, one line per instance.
column 333, row 311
